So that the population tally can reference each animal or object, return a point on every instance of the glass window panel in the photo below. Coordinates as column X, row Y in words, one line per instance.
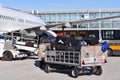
column 115, row 13
column 73, row 16
column 57, row 16
column 106, row 24
column 67, row 17
column 94, row 25
column 78, row 16
column 106, row 14
column 52, row 17
column 93, row 15
column 116, row 24
column 83, row 25
column 63, row 16
column 43, row 17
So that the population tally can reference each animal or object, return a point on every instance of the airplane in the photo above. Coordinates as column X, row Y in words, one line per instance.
column 13, row 20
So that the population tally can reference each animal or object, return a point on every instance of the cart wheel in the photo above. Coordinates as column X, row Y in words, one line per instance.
column 74, row 73
column 97, row 70
column 47, row 68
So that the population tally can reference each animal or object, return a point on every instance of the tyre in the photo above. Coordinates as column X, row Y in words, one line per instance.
column 7, row 55
column 42, row 64
column 110, row 52
column 97, row 70
column 74, row 73
column 47, row 68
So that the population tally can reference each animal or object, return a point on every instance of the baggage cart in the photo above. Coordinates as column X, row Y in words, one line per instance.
column 89, row 57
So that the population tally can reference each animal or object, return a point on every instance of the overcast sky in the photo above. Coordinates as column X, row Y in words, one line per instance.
column 61, row 4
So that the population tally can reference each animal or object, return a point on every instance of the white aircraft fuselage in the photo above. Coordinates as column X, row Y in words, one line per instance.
column 12, row 20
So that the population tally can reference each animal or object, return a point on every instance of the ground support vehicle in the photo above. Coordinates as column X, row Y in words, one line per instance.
column 8, row 51
column 89, row 57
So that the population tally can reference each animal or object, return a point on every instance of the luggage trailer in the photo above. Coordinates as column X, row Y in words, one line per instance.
column 89, row 57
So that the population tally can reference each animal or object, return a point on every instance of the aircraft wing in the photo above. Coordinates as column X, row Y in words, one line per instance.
column 96, row 20
column 40, row 30
column 67, row 24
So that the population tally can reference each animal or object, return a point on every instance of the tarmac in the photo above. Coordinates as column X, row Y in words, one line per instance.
column 28, row 69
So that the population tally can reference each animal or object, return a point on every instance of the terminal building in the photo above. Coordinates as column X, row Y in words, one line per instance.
column 106, row 29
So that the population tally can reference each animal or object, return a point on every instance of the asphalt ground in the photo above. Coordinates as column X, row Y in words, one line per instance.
column 28, row 69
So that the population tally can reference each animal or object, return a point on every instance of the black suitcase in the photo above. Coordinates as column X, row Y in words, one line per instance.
column 92, row 41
